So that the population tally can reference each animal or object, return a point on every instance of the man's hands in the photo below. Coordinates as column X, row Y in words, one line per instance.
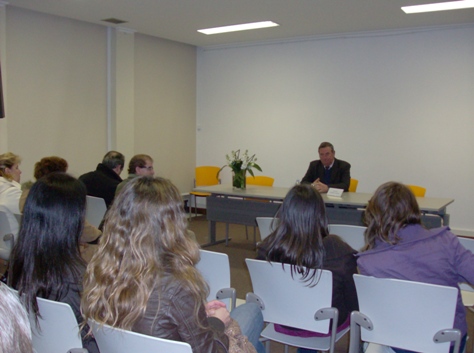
column 320, row 187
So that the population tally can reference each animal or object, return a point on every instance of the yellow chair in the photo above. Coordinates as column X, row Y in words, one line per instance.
column 204, row 176
column 419, row 191
column 353, row 185
column 260, row 180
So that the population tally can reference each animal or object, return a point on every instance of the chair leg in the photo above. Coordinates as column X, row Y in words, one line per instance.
column 246, row 233
column 226, row 234
column 195, row 206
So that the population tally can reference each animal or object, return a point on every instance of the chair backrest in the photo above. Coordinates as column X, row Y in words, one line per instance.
column 266, row 225
column 289, row 301
column 402, row 314
column 353, row 185
column 215, row 269
column 6, row 237
column 206, row 176
column 261, row 180
column 468, row 243
column 352, row 235
column 115, row 340
column 419, row 191
column 95, row 210
column 58, row 328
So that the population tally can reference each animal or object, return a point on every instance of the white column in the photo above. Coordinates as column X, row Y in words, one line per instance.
column 120, row 90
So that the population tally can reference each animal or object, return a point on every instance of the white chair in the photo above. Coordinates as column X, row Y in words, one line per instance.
column 115, row 340
column 58, row 329
column 266, row 225
column 95, row 210
column 215, row 269
column 352, row 235
column 6, row 237
column 288, row 301
column 467, row 290
column 405, row 314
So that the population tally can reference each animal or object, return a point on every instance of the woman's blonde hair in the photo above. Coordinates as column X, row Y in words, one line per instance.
column 7, row 160
column 144, row 236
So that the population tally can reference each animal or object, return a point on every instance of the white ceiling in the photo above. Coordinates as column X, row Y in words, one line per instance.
column 179, row 20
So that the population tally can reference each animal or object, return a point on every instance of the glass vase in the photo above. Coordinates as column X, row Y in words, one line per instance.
column 239, row 180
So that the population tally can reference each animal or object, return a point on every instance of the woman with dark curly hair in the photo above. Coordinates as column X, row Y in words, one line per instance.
column 48, row 165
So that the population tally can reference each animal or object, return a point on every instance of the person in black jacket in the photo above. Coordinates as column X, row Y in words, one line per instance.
column 103, row 181
column 328, row 172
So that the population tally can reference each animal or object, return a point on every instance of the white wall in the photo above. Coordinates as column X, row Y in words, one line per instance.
column 397, row 106
column 56, row 90
column 56, row 83
column 165, row 113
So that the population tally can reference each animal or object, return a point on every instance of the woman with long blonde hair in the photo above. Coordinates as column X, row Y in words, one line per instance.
column 143, row 276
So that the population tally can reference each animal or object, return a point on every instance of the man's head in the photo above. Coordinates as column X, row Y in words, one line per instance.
column 115, row 161
column 326, row 153
column 141, row 164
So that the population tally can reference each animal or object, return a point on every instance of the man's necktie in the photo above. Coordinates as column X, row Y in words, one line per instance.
column 327, row 175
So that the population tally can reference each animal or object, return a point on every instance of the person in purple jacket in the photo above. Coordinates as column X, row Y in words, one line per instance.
column 400, row 247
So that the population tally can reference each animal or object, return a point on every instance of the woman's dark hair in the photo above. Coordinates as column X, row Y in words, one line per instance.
column 392, row 207
column 46, row 255
column 298, row 238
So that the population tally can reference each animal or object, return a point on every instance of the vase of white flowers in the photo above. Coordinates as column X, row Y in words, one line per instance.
column 240, row 165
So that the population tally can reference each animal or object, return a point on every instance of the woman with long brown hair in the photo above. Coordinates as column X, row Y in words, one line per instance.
column 143, row 276
column 400, row 247
column 302, row 239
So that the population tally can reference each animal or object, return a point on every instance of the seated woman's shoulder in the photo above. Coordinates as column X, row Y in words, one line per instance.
column 336, row 244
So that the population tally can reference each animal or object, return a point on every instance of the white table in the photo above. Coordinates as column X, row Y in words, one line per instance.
column 229, row 205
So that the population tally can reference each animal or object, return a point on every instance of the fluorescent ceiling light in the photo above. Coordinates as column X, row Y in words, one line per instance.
column 235, row 28
column 441, row 6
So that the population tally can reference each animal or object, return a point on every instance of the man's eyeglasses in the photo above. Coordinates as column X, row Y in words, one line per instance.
column 147, row 167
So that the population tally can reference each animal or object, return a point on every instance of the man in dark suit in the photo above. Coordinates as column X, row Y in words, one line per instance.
column 103, row 181
column 328, row 172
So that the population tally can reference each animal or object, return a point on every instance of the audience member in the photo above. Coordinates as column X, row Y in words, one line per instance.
column 103, row 181
column 139, row 165
column 160, row 292
column 45, row 260
column 400, row 247
column 301, row 238
column 10, row 188
column 328, row 172
column 48, row 165
column 15, row 330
